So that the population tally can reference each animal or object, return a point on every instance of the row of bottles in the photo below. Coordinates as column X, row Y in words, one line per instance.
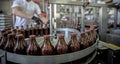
column 16, row 43
column 36, row 30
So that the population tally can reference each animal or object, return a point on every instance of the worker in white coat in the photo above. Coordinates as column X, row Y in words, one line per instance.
column 27, row 12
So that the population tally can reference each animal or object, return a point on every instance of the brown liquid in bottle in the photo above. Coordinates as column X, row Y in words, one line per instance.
column 36, row 30
column 61, row 46
column 83, row 41
column 22, row 31
column 48, row 29
column 9, row 31
column 16, row 30
column 10, row 43
column 93, row 33
column 47, row 48
column 12, row 30
column 33, row 47
column 21, row 45
column 27, row 32
column 89, row 41
column 3, row 40
column 74, row 43
column 32, row 30
column 45, row 31
column 40, row 31
column 93, row 36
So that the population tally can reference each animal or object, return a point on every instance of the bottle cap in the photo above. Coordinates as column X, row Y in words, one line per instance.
column 22, row 27
column 9, row 31
column 17, row 27
column 73, row 34
column 32, row 36
column 5, row 34
column 82, row 32
column 27, row 25
column 46, row 36
column 11, row 35
column 60, row 35
column 19, row 35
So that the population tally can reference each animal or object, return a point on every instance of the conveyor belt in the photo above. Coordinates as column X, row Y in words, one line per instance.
column 109, row 45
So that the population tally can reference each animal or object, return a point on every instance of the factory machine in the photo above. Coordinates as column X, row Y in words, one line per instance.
column 68, row 16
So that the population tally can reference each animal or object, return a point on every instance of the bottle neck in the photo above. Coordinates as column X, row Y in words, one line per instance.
column 4, row 38
column 33, row 41
column 61, row 40
column 19, row 39
column 73, row 38
column 22, row 28
column 47, row 41
column 10, row 38
column 82, row 36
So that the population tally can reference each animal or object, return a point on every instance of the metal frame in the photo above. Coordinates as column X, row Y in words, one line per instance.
column 103, row 23
column 3, row 56
column 102, row 16
column 51, row 59
column 77, row 3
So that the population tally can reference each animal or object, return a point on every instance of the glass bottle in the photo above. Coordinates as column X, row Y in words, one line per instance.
column 21, row 45
column 36, row 30
column 22, row 31
column 9, row 31
column 33, row 47
column 19, row 32
column 47, row 47
column 40, row 31
column 27, row 31
column 83, row 41
column 73, row 44
column 10, row 43
column 3, row 40
column 45, row 31
column 16, row 30
column 32, row 30
column 61, row 46
column 94, row 33
column 88, row 37
column 91, row 36
column 12, row 30
column 48, row 29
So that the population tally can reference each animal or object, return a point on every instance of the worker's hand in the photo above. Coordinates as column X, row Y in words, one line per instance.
column 44, row 20
column 37, row 20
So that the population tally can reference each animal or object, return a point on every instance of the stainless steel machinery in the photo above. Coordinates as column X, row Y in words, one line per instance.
column 76, row 10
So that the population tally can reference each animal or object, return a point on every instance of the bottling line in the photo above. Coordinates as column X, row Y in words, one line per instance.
column 93, row 23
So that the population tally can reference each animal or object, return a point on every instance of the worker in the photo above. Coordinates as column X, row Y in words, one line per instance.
column 27, row 12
